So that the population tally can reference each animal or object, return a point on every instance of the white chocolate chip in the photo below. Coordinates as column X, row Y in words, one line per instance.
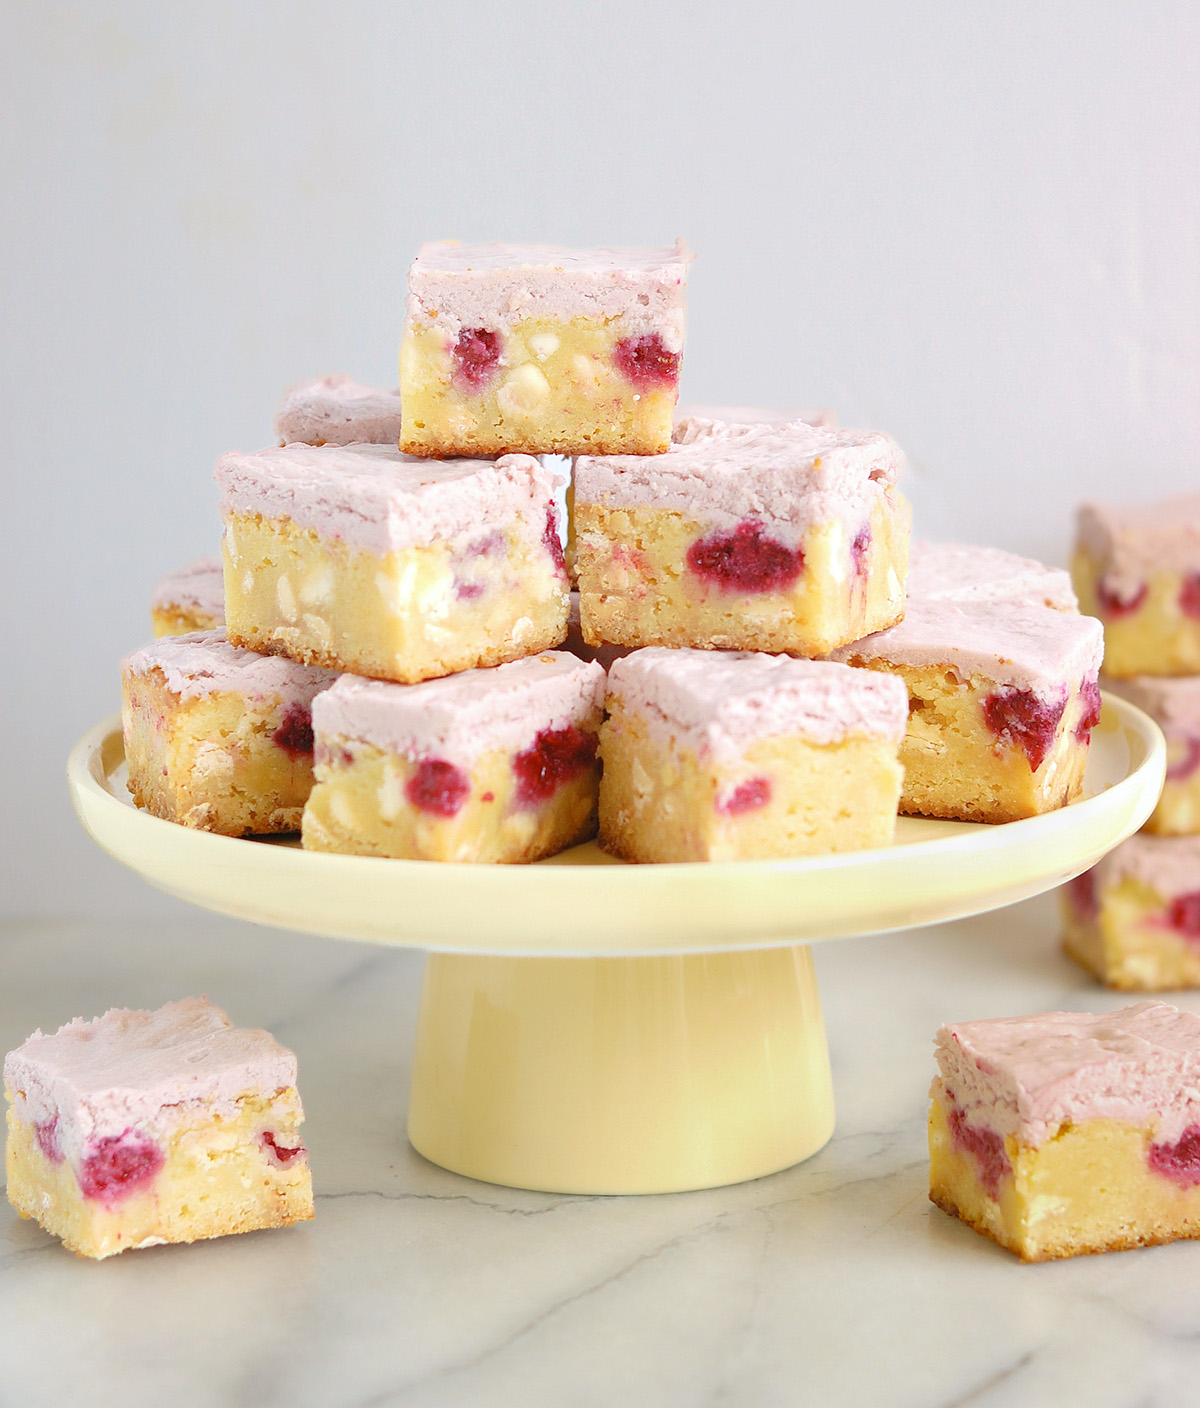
column 285, row 599
column 231, row 547
column 543, row 344
column 317, row 588
column 318, row 629
column 247, row 582
column 522, row 630
column 524, row 389
column 585, row 372
column 391, row 792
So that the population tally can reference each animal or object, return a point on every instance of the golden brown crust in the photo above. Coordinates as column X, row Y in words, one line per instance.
column 611, row 440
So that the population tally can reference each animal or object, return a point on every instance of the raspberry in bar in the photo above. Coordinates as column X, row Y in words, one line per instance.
column 360, row 558
column 1138, row 570
column 542, row 349
column 730, row 756
column 775, row 538
column 334, row 410
column 217, row 738
column 1070, row 1132
column 1134, row 919
column 192, row 599
column 1173, row 702
column 488, row 765
column 1002, row 702
column 692, row 421
column 960, row 572
column 140, row 1128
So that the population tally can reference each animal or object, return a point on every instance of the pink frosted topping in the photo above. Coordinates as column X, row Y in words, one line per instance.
column 1032, row 648
column 1028, row 1076
column 144, row 1071
column 785, row 477
column 203, row 662
column 459, row 718
column 720, row 702
column 958, row 572
column 1169, row 865
column 1128, row 544
column 198, row 587
column 334, row 410
column 1172, row 702
column 376, row 498
column 488, row 286
column 694, row 421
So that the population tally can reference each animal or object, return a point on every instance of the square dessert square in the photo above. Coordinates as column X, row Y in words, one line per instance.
column 541, row 349
column 334, row 410
column 1134, row 919
column 140, row 1128
column 964, row 572
column 1173, row 702
column 491, row 765
column 773, row 538
column 192, row 599
column 1070, row 1132
column 728, row 756
column 360, row 558
column 217, row 738
column 1002, row 701
column 1138, row 570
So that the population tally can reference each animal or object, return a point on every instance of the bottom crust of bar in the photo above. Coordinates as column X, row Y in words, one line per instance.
column 1089, row 1189
column 217, row 1180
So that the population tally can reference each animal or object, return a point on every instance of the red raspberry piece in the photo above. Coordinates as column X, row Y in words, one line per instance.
column 438, row 787
column 645, row 361
column 295, row 733
column 1114, row 606
column 1189, row 596
column 1089, row 694
column 1184, row 915
column 47, row 1138
column 1187, row 764
column 1180, row 1162
column 552, row 541
column 280, row 1153
column 557, row 755
column 1082, row 893
column 742, row 559
column 118, row 1166
column 469, row 591
column 476, row 355
column 1019, row 718
column 985, row 1146
column 747, row 797
column 858, row 549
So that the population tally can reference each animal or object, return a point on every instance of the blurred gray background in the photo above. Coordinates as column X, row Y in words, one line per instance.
column 977, row 227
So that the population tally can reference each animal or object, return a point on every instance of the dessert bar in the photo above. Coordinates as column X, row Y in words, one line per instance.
column 363, row 559
column 217, row 738
column 541, row 349
column 488, row 765
column 775, row 538
column 1134, row 919
column 334, row 410
column 140, row 1128
column 1002, row 701
column 1138, row 570
column 1070, row 1132
column 727, row 756
column 192, row 599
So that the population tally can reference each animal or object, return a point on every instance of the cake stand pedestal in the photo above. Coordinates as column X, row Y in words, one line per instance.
column 592, row 1027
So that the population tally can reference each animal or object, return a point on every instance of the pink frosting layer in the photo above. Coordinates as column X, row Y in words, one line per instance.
column 1128, row 544
column 719, row 702
column 454, row 286
column 1173, row 702
column 1170, row 865
column 144, row 1070
column 1028, row 1076
column 200, row 586
column 694, row 421
column 1024, row 647
column 203, row 662
column 373, row 497
column 787, row 477
column 337, row 411
column 463, row 716
column 959, row 572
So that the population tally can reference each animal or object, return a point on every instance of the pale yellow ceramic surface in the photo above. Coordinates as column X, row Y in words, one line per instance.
column 592, row 1027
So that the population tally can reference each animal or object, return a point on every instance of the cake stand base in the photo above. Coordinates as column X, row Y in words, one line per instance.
column 621, row 1075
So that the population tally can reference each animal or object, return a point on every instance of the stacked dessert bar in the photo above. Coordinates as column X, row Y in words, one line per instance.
column 1134, row 919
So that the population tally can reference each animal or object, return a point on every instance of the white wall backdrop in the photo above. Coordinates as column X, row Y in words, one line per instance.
column 977, row 227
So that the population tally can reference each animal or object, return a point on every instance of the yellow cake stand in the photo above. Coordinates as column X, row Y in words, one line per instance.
column 593, row 1027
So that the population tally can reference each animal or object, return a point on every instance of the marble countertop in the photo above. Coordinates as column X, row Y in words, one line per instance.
column 833, row 1283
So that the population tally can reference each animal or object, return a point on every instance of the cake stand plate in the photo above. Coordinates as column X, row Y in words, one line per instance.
column 590, row 1026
